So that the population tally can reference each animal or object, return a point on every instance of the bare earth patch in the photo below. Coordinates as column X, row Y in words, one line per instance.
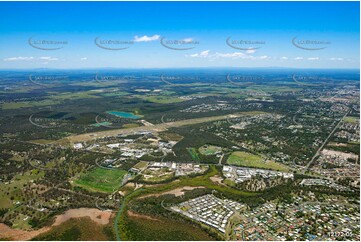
column 98, row 216
column 137, row 215
column 216, row 179
column 17, row 234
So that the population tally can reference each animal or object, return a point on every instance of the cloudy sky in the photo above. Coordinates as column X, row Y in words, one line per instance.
column 179, row 34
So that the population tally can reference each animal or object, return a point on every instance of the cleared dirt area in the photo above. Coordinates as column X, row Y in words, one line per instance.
column 142, row 216
column 98, row 216
column 8, row 233
column 216, row 179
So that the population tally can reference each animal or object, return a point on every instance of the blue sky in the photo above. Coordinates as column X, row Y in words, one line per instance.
column 260, row 34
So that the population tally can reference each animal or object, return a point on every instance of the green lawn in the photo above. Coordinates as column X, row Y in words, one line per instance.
column 209, row 149
column 353, row 120
column 141, row 165
column 101, row 180
column 241, row 158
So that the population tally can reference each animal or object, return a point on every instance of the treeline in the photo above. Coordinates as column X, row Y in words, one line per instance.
column 194, row 138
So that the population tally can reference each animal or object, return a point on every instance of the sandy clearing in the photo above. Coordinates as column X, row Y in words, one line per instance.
column 216, row 179
column 18, row 234
column 98, row 216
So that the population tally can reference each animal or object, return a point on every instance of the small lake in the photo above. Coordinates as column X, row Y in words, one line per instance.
column 123, row 114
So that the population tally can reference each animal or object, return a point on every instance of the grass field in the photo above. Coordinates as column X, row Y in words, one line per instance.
column 209, row 149
column 241, row 158
column 170, row 136
column 101, row 180
column 141, row 165
column 353, row 120
column 127, row 126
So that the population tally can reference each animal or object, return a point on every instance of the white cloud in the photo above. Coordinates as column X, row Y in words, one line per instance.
column 234, row 55
column 146, row 38
column 48, row 58
column 251, row 51
column 83, row 58
column 284, row 58
column 334, row 59
column 203, row 54
column 313, row 58
column 20, row 58
column 299, row 58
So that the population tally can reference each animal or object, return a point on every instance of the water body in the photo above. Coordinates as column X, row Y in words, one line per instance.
column 123, row 114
